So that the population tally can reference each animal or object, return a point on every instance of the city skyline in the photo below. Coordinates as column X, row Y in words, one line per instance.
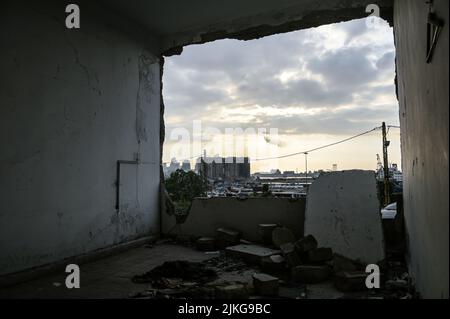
column 314, row 86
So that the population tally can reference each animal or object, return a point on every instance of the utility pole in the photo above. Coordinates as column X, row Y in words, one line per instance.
column 385, row 166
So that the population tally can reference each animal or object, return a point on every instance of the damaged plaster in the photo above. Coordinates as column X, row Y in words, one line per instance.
column 347, row 218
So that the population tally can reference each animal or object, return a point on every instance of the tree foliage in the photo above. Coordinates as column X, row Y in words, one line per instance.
column 185, row 186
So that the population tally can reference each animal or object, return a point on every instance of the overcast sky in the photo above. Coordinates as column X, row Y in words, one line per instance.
column 315, row 86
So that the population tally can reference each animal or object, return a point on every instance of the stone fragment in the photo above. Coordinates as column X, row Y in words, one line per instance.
column 320, row 255
column 265, row 285
column 348, row 221
column 291, row 256
column 396, row 284
column 265, row 231
column 227, row 237
column 310, row 274
column 206, row 244
column 235, row 291
column 305, row 244
column 342, row 263
column 252, row 254
column 282, row 235
column 350, row 280
column 274, row 263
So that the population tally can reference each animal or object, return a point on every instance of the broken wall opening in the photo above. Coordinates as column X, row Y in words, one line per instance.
column 189, row 95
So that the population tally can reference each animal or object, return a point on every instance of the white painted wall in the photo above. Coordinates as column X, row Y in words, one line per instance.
column 72, row 103
column 424, row 103
column 343, row 212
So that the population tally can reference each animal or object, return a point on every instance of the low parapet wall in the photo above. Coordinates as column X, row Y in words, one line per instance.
column 208, row 214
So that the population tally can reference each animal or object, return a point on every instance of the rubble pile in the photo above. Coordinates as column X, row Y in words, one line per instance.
column 282, row 266
column 180, row 269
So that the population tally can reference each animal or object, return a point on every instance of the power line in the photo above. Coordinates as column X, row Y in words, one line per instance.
column 311, row 150
column 391, row 126
column 320, row 147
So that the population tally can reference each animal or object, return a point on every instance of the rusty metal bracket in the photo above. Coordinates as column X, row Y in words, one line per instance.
column 434, row 26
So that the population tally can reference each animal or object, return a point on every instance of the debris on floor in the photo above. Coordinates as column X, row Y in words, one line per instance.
column 252, row 254
column 265, row 232
column 206, row 244
column 227, row 237
column 265, row 285
column 187, row 271
column 284, row 267
column 282, row 235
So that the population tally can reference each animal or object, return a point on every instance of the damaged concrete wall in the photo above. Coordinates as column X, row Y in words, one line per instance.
column 342, row 212
column 207, row 215
column 72, row 103
column 423, row 99
column 181, row 23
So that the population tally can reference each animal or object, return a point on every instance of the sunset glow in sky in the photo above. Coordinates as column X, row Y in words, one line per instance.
column 314, row 86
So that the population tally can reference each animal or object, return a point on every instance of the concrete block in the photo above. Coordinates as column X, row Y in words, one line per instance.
column 206, row 244
column 265, row 285
column 265, row 231
column 320, row 255
column 350, row 280
column 235, row 291
column 227, row 237
column 290, row 254
column 342, row 212
column 310, row 274
column 252, row 254
column 282, row 235
column 398, row 284
column 342, row 263
column 305, row 244
column 273, row 264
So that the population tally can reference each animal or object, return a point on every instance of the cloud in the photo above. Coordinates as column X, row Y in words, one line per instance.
column 387, row 61
column 335, row 79
column 347, row 68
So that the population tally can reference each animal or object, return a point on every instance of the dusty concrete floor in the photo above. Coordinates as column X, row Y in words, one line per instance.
column 107, row 278
column 111, row 277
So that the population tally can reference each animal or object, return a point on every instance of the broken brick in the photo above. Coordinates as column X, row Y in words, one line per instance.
column 235, row 291
column 265, row 231
column 319, row 255
column 342, row 263
column 274, row 263
column 251, row 254
column 310, row 274
column 350, row 280
column 305, row 244
column 206, row 244
column 227, row 237
column 282, row 235
column 397, row 284
column 291, row 256
column 265, row 285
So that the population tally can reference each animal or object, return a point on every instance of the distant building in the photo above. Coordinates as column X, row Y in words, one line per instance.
column 394, row 173
column 186, row 166
column 172, row 167
column 334, row 167
column 219, row 168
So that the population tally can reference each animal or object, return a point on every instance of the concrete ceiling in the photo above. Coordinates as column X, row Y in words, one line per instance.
column 182, row 22
column 166, row 17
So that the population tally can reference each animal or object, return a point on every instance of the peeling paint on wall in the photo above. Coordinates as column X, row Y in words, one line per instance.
column 145, row 93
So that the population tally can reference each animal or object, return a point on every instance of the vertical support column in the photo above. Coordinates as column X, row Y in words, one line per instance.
column 385, row 166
